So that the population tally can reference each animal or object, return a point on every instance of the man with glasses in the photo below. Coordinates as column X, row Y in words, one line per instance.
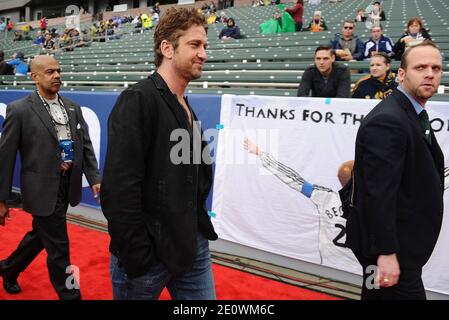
column 346, row 45
column 378, row 43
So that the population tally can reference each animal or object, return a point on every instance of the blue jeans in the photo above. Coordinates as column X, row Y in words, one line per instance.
column 195, row 284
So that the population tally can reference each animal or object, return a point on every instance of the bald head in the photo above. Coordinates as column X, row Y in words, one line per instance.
column 39, row 62
column 345, row 171
column 46, row 73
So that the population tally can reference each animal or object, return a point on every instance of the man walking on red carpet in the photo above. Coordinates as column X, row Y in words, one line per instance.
column 155, row 205
column 55, row 149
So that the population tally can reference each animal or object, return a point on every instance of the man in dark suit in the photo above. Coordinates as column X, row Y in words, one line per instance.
column 55, row 149
column 156, row 180
column 398, row 179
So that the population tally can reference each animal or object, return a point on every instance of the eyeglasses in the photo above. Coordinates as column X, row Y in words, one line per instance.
column 348, row 28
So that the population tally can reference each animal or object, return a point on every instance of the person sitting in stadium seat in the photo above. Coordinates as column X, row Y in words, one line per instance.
column 21, row 67
column 223, row 18
column 212, row 18
column 5, row 68
column 317, row 24
column 360, row 17
column 65, row 41
column 415, row 34
column 346, row 45
column 156, row 8
column 40, row 39
column 378, row 43
column 376, row 14
column 49, row 45
column 17, row 36
column 326, row 78
column 380, row 83
column 230, row 31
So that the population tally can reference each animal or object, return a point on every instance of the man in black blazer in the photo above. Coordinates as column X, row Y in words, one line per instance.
column 156, row 180
column 399, row 181
column 39, row 126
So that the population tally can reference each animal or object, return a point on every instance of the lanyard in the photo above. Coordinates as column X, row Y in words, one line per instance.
column 64, row 112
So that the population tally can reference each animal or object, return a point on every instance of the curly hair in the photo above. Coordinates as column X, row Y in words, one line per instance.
column 173, row 24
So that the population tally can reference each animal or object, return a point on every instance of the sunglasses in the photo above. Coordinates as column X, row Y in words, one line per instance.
column 348, row 28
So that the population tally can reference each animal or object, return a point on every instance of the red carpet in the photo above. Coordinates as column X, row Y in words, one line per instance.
column 89, row 251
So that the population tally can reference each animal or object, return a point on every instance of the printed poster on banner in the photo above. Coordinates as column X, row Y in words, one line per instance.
column 276, row 178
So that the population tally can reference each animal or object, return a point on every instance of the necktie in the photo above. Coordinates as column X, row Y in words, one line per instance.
column 425, row 123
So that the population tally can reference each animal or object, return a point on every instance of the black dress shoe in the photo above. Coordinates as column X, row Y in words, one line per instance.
column 11, row 286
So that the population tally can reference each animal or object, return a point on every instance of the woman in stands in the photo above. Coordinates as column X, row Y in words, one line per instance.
column 415, row 34
column 381, row 81
column 230, row 31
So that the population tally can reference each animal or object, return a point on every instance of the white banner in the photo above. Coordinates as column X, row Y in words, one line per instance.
column 278, row 191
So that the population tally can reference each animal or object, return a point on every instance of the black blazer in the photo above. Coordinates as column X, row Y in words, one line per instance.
column 398, row 186
column 154, row 207
column 28, row 129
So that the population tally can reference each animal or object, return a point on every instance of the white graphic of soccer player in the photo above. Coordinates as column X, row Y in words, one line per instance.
column 332, row 225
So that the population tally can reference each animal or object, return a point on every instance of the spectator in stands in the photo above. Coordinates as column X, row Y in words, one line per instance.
column 17, row 36
column 212, row 18
column 147, row 23
column 376, row 14
column 40, row 39
column 380, row 83
column 223, row 18
column 85, row 39
column 5, row 68
column 415, row 34
column 317, row 24
column 43, row 24
column 156, row 8
column 9, row 24
column 49, row 45
column 326, row 78
column 360, row 17
column 21, row 67
column 154, row 15
column 346, row 45
column 230, row 31
column 297, row 12
column 2, row 25
column 162, row 242
column 378, row 43
column 65, row 41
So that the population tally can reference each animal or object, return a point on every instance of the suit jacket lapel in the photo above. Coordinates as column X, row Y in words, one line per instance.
column 38, row 107
column 438, row 157
column 171, row 101
column 72, row 116
column 434, row 148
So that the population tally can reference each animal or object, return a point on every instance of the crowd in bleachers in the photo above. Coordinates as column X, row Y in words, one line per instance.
column 349, row 44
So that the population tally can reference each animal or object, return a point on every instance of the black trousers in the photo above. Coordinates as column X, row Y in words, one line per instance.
column 409, row 286
column 49, row 233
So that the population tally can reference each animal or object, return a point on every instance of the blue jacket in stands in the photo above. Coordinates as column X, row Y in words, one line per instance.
column 355, row 46
column 383, row 45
